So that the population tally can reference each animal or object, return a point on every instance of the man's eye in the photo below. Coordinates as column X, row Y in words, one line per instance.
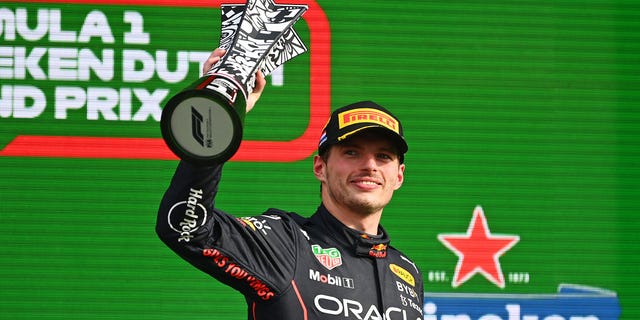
column 350, row 152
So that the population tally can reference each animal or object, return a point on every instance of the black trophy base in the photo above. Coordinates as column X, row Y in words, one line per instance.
column 202, row 127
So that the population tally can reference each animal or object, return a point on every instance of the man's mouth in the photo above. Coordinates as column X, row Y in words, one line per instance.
column 366, row 182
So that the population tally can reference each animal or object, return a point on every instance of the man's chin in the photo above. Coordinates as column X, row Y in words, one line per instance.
column 366, row 207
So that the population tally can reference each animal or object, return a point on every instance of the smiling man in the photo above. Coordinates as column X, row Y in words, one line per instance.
column 360, row 164
column 335, row 264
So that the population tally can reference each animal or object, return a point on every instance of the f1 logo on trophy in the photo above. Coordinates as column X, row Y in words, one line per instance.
column 203, row 123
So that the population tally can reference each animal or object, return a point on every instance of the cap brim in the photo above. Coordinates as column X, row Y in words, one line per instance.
column 398, row 140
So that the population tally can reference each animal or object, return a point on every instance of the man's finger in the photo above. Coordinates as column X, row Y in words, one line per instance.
column 214, row 57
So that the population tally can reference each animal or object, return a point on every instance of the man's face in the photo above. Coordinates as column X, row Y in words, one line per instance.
column 360, row 174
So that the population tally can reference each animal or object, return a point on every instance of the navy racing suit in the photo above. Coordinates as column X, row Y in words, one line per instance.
column 287, row 266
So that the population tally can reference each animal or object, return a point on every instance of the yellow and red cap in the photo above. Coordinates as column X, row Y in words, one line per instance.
column 360, row 116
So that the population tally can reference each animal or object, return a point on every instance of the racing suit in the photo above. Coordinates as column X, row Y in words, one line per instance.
column 287, row 266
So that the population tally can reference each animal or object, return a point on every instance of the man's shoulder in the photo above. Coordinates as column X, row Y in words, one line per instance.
column 401, row 257
column 287, row 216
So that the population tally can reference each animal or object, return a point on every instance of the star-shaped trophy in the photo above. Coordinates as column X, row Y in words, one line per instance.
column 203, row 123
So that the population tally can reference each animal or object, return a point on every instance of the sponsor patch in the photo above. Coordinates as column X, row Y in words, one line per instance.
column 403, row 274
column 237, row 272
column 329, row 258
column 185, row 217
column 330, row 279
column 255, row 224
column 378, row 251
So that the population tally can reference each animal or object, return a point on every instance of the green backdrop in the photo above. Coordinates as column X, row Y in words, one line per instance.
column 525, row 108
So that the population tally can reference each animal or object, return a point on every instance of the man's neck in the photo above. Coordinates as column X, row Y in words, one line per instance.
column 367, row 223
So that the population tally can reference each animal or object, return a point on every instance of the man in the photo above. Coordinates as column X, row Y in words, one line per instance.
column 337, row 264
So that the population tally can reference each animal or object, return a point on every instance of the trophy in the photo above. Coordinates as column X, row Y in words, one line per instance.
column 203, row 123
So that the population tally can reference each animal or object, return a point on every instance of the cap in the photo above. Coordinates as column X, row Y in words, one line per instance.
column 359, row 116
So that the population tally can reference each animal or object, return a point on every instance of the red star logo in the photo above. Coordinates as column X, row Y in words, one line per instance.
column 478, row 250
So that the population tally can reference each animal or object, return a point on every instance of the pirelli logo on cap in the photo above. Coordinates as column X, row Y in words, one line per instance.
column 367, row 115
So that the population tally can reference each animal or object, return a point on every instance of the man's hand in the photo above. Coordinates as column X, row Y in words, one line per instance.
column 253, row 97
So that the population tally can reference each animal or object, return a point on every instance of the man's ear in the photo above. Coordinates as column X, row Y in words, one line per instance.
column 319, row 168
column 400, row 177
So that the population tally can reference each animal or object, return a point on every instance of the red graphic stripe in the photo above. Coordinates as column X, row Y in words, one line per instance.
column 304, row 308
column 166, row 3
column 205, row 83
column 144, row 148
column 253, row 310
column 155, row 148
column 88, row 147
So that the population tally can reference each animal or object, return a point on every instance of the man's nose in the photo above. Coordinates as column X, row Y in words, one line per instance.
column 369, row 161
